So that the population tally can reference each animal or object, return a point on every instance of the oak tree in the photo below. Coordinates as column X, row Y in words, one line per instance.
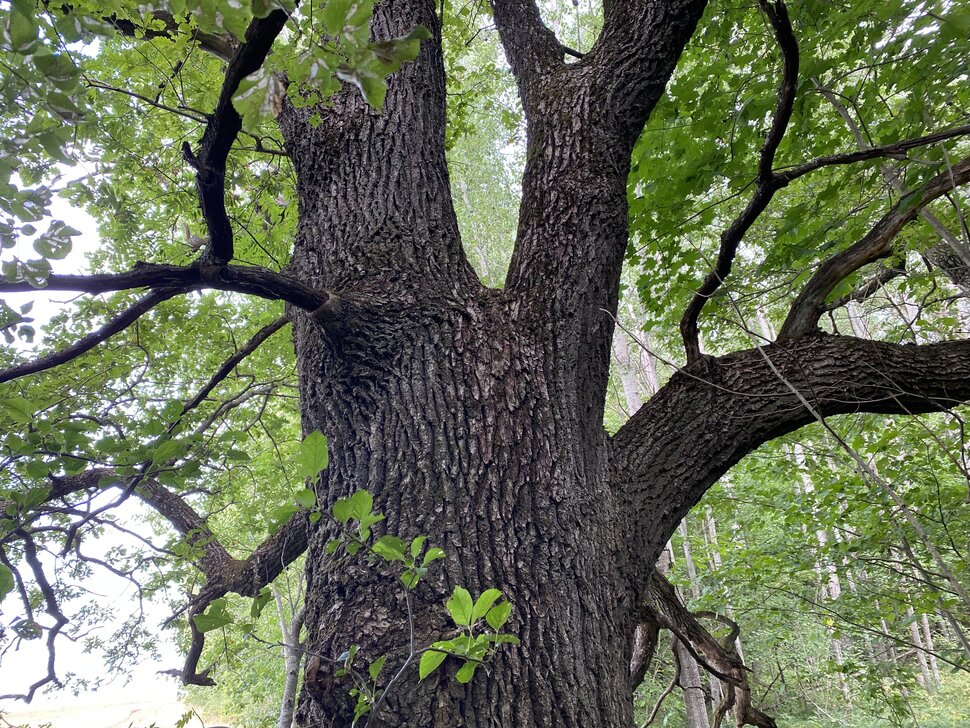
column 318, row 134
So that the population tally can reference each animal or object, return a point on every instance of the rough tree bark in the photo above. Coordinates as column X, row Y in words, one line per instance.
column 475, row 415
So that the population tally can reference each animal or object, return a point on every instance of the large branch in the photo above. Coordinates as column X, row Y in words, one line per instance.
column 167, row 281
column 530, row 46
column 768, row 182
column 251, row 280
column 709, row 416
column 223, row 128
column 635, row 55
column 214, row 559
column 878, row 243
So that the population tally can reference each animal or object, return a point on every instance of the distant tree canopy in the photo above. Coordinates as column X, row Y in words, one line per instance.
column 462, row 308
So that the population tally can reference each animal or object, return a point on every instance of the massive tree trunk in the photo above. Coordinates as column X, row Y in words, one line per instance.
column 473, row 415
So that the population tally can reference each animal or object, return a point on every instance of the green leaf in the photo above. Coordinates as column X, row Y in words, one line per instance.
column 22, row 31
column 411, row 577
column 18, row 409
column 214, row 617
column 280, row 515
column 260, row 602
column 417, row 544
column 434, row 553
column 484, row 603
column 430, row 661
column 312, row 455
column 306, row 498
column 6, row 581
column 459, row 606
column 376, row 666
column 258, row 100
column 361, row 504
column 466, row 672
column 58, row 70
column 390, row 548
column 168, row 450
column 342, row 510
column 497, row 616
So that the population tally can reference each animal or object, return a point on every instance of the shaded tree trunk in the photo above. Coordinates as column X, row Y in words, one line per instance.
column 475, row 416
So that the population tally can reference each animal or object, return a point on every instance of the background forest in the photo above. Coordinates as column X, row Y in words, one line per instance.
column 840, row 565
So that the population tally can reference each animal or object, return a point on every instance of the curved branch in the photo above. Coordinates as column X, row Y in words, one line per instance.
column 718, row 411
column 674, row 681
column 223, row 572
column 810, row 303
column 767, row 183
column 223, row 128
column 115, row 326
column 251, row 280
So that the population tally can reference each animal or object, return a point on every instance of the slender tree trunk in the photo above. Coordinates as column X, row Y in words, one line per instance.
column 692, row 687
column 831, row 586
column 924, row 677
column 930, row 644
column 292, row 658
column 695, row 699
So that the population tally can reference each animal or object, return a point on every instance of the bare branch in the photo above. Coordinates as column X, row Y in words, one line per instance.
column 232, row 362
column 52, row 608
column 810, row 303
column 115, row 326
column 767, row 184
column 221, row 46
column 645, row 640
column 951, row 255
column 223, row 128
column 895, row 149
column 223, row 572
column 251, row 280
column 668, row 690
column 872, row 285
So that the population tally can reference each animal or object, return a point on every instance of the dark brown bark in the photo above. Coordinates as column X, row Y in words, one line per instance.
column 474, row 416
